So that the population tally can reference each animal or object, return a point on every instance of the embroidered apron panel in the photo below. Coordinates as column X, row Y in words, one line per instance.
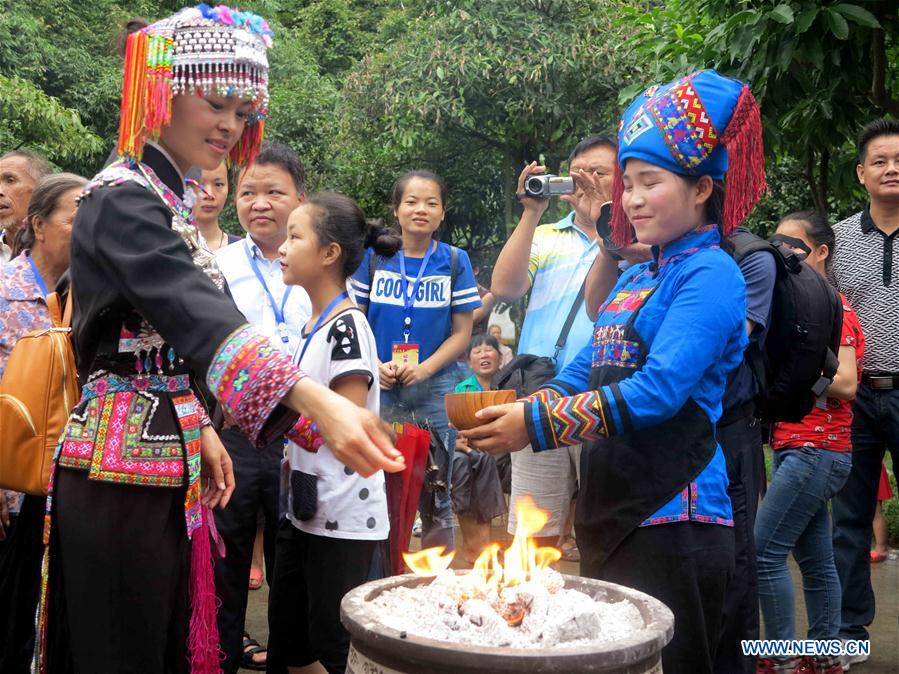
column 122, row 430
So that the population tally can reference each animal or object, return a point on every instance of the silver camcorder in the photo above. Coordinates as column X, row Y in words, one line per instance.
column 546, row 186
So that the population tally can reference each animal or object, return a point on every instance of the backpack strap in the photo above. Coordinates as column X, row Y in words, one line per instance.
column 67, row 312
column 454, row 267
column 53, row 305
column 747, row 243
column 569, row 321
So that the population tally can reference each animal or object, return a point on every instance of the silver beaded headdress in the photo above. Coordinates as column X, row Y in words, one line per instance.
column 200, row 50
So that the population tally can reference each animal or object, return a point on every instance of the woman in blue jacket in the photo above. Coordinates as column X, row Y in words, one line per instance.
column 653, row 511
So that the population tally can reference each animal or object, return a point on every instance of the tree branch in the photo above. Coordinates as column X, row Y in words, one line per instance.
column 879, row 94
column 812, row 183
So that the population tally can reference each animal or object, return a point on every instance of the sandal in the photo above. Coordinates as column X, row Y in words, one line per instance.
column 252, row 648
column 570, row 553
column 256, row 578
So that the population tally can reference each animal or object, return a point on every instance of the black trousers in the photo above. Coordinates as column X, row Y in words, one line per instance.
column 256, row 472
column 687, row 566
column 120, row 579
column 875, row 431
column 312, row 573
column 741, row 440
column 20, row 580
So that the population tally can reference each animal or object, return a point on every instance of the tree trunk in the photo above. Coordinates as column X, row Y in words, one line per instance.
column 818, row 183
column 509, row 185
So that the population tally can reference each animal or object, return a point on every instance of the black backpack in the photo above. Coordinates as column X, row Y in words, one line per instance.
column 799, row 357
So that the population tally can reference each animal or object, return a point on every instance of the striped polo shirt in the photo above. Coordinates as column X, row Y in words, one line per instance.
column 865, row 269
column 561, row 256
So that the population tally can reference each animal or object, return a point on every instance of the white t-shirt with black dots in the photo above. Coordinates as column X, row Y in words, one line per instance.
column 348, row 506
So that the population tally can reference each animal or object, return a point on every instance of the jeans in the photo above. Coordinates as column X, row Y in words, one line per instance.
column 794, row 517
column 424, row 402
column 875, row 429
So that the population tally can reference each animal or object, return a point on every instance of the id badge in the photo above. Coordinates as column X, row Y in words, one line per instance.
column 404, row 354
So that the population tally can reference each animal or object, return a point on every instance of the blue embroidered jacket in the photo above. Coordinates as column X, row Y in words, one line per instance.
column 691, row 328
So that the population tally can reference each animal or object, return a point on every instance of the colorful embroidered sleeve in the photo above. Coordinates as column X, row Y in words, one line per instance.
column 305, row 434
column 125, row 242
column 706, row 312
column 703, row 315
column 540, row 407
column 249, row 377
column 202, row 415
column 565, row 421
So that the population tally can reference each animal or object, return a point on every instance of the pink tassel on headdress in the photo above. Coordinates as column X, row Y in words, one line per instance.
column 745, row 179
column 203, row 641
column 247, row 147
column 621, row 226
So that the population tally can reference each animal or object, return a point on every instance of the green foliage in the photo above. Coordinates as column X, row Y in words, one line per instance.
column 365, row 90
column 29, row 117
column 814, row 66
column 474, row 90
column 302, row 102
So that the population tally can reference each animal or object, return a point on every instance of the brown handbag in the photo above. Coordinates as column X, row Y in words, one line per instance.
column 38, row 389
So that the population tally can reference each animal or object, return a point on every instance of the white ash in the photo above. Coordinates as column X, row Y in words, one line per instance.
column 450, row 609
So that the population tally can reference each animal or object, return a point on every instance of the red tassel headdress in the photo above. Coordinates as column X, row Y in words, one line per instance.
column 676, row 126
column 198, row 51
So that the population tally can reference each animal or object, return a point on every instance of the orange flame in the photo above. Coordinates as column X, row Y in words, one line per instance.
column 428, row 562
column 523, row 560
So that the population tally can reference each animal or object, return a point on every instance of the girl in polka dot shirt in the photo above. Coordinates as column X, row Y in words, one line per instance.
column 335, row 517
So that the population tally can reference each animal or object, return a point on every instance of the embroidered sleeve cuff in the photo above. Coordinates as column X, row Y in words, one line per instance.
column 565, row 421
column 546, row 394
column 202, row 415
column 249, row 377
column 305, row 434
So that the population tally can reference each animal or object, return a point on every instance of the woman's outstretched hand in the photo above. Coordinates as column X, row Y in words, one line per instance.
column 358, row 439
column 217, row 473
column 505, row 432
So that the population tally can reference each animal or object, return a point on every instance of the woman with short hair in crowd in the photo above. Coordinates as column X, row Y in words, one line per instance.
column 42, row 257
column 812, row 460
column 478, row 477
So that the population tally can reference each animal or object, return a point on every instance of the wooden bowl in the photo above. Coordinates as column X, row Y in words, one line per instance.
column 461, row 407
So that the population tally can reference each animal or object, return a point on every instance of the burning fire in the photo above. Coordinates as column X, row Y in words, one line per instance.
column 496, row 570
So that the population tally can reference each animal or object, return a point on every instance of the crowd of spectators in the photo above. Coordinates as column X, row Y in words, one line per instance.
column 430, row 318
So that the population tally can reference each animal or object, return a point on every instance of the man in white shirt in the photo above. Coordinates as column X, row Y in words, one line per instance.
column 265, row 196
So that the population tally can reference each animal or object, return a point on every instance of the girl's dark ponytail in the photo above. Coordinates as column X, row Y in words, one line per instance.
column 382, row 241
column 338, row 219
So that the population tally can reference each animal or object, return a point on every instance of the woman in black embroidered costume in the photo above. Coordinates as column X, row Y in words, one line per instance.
column 127, row 572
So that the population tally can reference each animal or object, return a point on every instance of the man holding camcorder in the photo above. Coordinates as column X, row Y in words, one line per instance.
column 553, row 261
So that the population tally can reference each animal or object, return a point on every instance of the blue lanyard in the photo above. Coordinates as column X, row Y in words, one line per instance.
column 279, row 311
column 37, row 276
column 321, row 319
column 409, row 298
